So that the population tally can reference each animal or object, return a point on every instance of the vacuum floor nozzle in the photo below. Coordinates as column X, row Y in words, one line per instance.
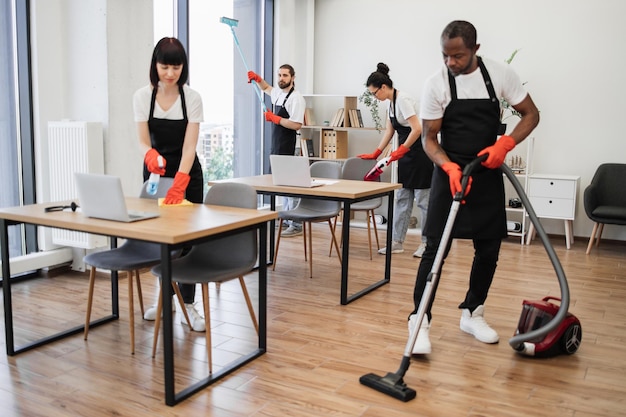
column 391, row 384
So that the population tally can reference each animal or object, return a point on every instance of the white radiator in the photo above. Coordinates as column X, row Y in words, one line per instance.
column 73, row 147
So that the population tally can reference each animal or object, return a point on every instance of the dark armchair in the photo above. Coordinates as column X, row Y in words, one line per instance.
column 605, row 199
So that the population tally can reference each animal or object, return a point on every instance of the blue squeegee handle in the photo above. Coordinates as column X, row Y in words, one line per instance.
column 256, row 86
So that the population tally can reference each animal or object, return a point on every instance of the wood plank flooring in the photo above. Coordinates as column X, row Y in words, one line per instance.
column 318, row 349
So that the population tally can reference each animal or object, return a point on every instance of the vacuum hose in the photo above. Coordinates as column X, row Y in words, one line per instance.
column 517, row 341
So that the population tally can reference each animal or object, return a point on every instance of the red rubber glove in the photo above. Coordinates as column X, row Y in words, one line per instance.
column 271, row 117
column 455, row 174
column 373, row 155
column 497, row 152
column 152, row 162
column 398, row 153
column 176, row 193
column 253, row 76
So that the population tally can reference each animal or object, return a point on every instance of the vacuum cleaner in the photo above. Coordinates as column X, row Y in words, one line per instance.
column 544, row 328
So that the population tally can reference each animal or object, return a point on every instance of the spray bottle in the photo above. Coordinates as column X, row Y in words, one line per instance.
column 377, row 170
column 153, row 181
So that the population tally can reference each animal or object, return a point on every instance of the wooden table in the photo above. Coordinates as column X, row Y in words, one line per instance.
column 176, row 227
column 346, row 191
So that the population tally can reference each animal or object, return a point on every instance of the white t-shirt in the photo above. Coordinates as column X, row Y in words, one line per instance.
column 193, row 101
column 436, row 94
column 406, row 107
column 295, row 104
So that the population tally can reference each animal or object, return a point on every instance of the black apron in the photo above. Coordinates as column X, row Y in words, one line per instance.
column 283, row 139
column 415, row 169
column 167, row 137
column 469, row 126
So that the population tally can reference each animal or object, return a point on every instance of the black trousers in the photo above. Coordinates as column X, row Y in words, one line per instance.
column 486, row 252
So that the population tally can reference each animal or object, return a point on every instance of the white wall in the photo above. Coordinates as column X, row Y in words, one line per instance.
column 571, row 56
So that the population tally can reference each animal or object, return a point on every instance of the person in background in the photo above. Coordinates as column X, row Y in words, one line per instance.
column 461, row 101
column 287, row 117
column 415, row 170
column 168, row 115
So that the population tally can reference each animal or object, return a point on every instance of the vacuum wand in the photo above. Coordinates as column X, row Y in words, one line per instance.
column 233, row 23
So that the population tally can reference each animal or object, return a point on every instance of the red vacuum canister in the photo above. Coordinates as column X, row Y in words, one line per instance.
column 565, row 338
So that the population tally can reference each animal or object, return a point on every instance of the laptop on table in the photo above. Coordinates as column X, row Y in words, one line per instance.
column 294, row 171
column 102, row 197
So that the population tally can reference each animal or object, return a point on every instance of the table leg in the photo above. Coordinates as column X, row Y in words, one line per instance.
column 168, row 331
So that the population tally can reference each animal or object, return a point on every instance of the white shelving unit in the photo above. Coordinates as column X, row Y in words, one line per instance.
column 323, row 108
column 522, row 172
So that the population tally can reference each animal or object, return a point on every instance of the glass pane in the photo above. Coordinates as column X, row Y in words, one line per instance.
column 228, row 146
column 10, row 179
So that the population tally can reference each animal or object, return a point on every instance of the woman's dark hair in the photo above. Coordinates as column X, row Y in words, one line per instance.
column 169, row 51
column 464, row 30
column 380, row 77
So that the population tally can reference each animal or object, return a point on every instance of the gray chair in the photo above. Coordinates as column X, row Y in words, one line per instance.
column 132, row 256
column 355, row 169
column 218, row 260
column 313, row 210
column 605, row 199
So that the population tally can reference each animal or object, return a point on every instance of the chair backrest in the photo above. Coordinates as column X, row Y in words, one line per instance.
column 609, row 185
column 355, row 168
column 323, row 169
column 164, row 185
column 238, row 249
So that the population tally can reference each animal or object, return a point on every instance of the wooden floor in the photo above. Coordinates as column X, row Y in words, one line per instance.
column 318, row 349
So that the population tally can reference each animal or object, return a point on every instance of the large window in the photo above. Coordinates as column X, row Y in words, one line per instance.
column 11, row 180
column 229, row 144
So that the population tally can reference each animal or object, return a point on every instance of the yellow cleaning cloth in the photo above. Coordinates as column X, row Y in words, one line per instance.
column 185, row 202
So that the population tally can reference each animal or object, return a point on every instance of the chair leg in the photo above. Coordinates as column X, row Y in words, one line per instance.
column 157, row 320
column 207, row 320
column 304, row 233
column 335, row 242
column 244, row 289
column 330, row 246
column 600, row 230
column 139, row 292
column 179, row 296
column 369, row 233
column 592, row 238
column 131, row 312
column 157, row 324
column 280, row 229
column 310, row 224
column 375, row 229
column 92, row 279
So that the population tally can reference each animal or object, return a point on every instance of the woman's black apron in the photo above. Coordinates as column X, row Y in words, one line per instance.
column 167, row 137
column 283, row 139
column 415, row 169
column 468, row 126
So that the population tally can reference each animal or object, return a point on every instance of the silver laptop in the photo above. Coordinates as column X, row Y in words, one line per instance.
column 101, row 196
column 294, row 171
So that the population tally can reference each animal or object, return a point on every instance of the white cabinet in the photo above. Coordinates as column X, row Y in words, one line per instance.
column 554, row 197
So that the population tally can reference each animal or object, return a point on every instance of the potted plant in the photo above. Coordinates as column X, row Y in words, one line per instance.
column 506, row 110
column 371, row 103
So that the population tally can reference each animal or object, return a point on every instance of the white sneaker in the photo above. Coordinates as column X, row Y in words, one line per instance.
column 422, row 343
column 396, row 247
column 197, row 321
column 475, row 324
column 420, row 250
column 150, row 314
column 291, row 232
